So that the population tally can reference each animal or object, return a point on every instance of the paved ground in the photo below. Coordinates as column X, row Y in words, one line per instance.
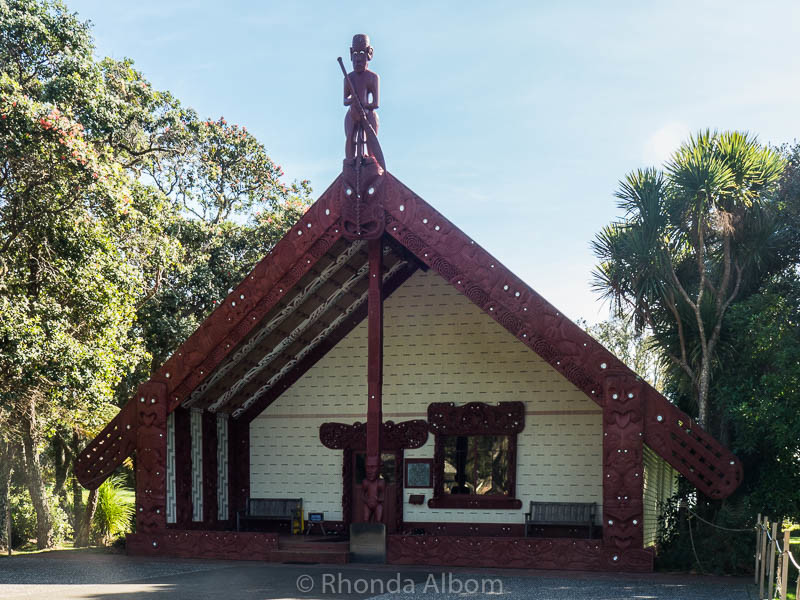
column 95, row 575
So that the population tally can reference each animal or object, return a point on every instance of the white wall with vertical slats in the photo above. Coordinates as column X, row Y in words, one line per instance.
column 438, row 347
column 660, row 483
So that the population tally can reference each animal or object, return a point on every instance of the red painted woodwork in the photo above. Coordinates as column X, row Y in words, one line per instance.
column 394, row 436
column 566, row 347
column 623, row 466
column 647, row 417
column 393, row 496
column 209, row 469
column 183, row 469
column 510, row 552
column 475, row 418
column 239, row 465
column 674, row 436
column 106, row 452
column 291, row 258
column 372, row 484
column 204, row 544
column 151, row 457
column 483, row 279
column 362, row 212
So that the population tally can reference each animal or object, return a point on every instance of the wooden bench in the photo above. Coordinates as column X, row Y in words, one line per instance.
column 571, row 514
column 270, row 509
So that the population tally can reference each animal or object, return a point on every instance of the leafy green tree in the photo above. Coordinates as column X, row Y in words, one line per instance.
column 123, row 217
column 70, row 219
column 636, row 348
column 757, row 387
column 693, row 240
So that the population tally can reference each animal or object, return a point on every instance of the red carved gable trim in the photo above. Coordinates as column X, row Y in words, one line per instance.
column 438, row 243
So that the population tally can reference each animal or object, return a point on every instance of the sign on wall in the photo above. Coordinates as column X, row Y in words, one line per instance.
column 419, row 472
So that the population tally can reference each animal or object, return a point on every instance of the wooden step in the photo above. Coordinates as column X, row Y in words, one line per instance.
column 293, row 555
column 316, row 545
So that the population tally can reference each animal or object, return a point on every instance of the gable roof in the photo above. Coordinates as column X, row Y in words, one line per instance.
column 310, row 291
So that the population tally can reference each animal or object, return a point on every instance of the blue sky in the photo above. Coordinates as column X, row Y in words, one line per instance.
column 515, row 120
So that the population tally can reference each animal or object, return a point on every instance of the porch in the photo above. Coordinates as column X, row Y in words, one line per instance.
column 502, row 551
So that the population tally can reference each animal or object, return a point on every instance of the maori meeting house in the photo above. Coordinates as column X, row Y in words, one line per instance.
column 380, row 387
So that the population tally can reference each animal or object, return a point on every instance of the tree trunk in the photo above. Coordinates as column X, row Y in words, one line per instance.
column 83, row 527
column 702, row 392
column 77, row 488
column 61, row 460
column 6, row 456
column 34, row 481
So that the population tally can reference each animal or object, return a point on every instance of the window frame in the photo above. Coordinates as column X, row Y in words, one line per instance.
column 473, row 419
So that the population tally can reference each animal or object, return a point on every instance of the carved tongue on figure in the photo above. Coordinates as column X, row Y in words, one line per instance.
column 364, row 165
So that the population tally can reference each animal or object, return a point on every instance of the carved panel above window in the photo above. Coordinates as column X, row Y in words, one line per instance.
column 476, row 418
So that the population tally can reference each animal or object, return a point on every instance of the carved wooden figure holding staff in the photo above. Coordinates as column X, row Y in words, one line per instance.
column 367, row 88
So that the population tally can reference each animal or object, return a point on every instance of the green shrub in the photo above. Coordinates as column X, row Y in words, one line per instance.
column 720, row 551
column 23, row 519
column 115, row 511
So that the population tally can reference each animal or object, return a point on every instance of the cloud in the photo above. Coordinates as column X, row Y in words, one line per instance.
column 664, row 141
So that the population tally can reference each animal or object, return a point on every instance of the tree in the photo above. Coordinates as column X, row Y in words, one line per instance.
column 693, row 240
column 634, row 348
column 115, row 207
column 69, row 219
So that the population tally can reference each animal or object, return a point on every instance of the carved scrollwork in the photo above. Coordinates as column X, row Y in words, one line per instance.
column 394, row 436
column 476, row 418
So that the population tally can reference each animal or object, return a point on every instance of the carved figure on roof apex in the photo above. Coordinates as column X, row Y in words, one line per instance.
column 363, row 216
column 362, row 95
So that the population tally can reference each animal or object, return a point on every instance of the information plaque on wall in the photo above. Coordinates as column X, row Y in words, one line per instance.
column 419, row 473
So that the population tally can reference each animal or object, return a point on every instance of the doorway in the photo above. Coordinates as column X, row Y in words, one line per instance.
column 390, row 468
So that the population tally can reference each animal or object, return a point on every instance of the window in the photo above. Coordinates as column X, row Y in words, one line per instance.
column 474, row 464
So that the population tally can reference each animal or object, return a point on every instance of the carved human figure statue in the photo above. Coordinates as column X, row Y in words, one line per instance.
column 367, row 87
column 373, row 490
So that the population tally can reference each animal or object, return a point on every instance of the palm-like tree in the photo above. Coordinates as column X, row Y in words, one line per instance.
column 692, row 238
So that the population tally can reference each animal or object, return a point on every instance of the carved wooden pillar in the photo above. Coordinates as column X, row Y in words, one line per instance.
column 151, row 457
column 183, row 468
column 239, row 465
column 374, row 363
column 623, row 467
column 210, row 469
